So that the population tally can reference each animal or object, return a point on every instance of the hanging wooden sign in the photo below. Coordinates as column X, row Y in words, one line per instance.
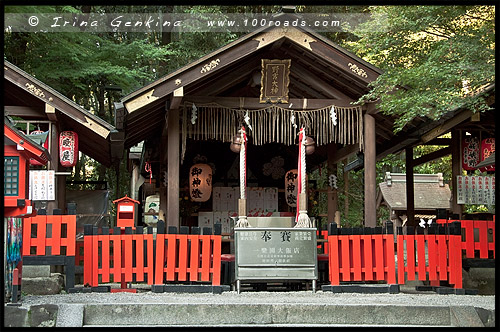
column 200, row 182
column 470, row 153
column 68, row 148
column 291, row 187
column 487, row 148
column 275, row 80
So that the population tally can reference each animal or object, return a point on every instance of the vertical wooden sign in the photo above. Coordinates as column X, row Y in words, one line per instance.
column 275, row 80
column 291, row 187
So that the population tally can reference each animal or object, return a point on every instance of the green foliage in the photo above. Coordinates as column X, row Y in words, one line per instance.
column 434, row 58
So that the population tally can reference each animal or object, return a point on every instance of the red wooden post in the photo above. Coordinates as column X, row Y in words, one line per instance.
column 391, row 264
column 345, row 267
column 104, row 239
column 139, row 256
column 160, row 250
column 150, row 248
column 55, row 241
column 421, row 256
column 356, row 255
column 41, row 235
column 171, row 252
column 205, row 258
column 482, row 227
column 195, row 257
column 401, row 262
column 410, row 256
column 333, row 260
column 216, row 259
column 442, row 257
column 469, row 237
column 368, row 257
column 491, row 245
column 183, row 257
column 433, row 256
column 128, row 259
column 117, row 256
column 379, row 256
column 95, row 260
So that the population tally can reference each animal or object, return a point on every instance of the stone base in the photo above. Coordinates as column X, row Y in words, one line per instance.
column 43, row 285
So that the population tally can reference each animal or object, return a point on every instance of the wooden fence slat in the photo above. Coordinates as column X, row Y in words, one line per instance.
column 70, row 234
column 183, row 257
column 442, row 257
column 491, row 245
column 433, row 256
column 345, row 267
column 421, row 257
column 127, row 241
column 95, row 260
column 368, row 257
column 205, row 258
column 41, row 235
column 356, row 253
column 379, row 257
column 117, row 257
column 104, row 239
column 469, row 238
column 216, row 258
column 150, row 267
column 195, row 257
column 401, row 262
column 26, row 248
column 87, row 259
column 55, row 242
column 482, row 246
column 159, row 266
column 390, row 258
column 138, row 239
column 333, row 259
column 171, row 252
column 410, row 256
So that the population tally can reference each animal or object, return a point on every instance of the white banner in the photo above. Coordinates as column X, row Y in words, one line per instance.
column 476, row 190
column 42, row 185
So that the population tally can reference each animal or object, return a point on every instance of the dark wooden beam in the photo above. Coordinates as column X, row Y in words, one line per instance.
column 370, row 155
column 254, row 103
column 431, row 156
column 439, row 141
column 177, row 96
column 410, row 192
column 23, row 111
column 446, row 126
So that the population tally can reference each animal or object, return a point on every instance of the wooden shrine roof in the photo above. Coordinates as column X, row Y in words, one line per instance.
column 430, row 191
column 34, row 150
column 27, row 97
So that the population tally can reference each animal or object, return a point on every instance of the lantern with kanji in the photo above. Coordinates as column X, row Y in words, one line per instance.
column 68, row 148
column 200, row 182
column 291, row 187
column 470, row 153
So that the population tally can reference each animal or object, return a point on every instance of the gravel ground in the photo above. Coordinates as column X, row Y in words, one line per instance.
column 404, row 298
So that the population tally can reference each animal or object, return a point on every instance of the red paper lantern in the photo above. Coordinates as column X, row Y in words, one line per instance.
column 68, row 148
column 487, row 148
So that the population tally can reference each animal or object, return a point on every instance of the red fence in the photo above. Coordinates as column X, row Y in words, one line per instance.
column 58, row 239
column 442, row 261
column 361, row 257
column 484, row 228
column 129, row 257
column 180, row 254
column 117, row 255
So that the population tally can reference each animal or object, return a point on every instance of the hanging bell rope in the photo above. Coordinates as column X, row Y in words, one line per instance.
column 302, row 219
column 242, row 214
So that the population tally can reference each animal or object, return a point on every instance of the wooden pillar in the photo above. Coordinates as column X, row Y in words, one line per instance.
column 346, row 191
column 410, row 192
column 332, row 193
column 173, row 156
column 370, row 155
column 456, row 169
column 163, row 167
